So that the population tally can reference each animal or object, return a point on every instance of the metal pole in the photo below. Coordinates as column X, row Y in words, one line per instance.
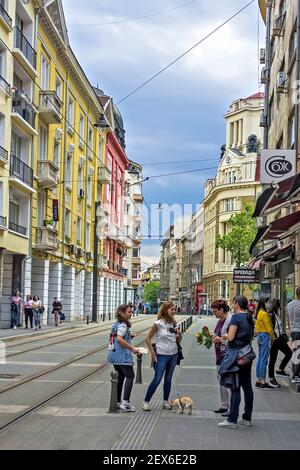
column 95, row 267
column 138, row 379
column 268, row 67
column 113, row 406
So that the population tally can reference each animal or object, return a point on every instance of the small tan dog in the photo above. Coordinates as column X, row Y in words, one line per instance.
column 184, row 405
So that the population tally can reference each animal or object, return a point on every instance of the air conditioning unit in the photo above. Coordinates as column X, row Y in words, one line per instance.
column 262, row 56
column 58, row 135
column 265, row 75
column 89, row 255
column 278, row 25
column 71, row 149
column 91, row 171
column 281, row 82
column 263, row 120
column 82, row 161
column 72, row 249
column 269, row 271
column 79, row 252
column 81, row 193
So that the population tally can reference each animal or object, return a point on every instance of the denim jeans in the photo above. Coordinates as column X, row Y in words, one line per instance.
column 264, row 346
column 245, row 383
column 164, row 365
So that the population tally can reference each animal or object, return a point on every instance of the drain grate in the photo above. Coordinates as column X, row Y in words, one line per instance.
column 9, row 376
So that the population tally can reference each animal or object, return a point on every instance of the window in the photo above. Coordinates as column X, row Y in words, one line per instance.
column 280, row 142
column 291, row 131
column 90, row 144
column 135, row 274
column 56, row 153
column 229, row 205
column 2, row 130
column 69, row 171
column 16, row 145
column 80, row 179
column 272, row 49
column 41, row 208
column 78, row 231
column 135, row 253
column 100, row 149
column 89, row 191
column 13, row 213
column 58, row 87
column 282, row 8
column 45, row 73
column 68, row 223
column 2, row 62
column 292, row 44
column 231, row 177
column 43, row 143
column 81, row 131
column 71, row 116
column 271, row 110
column 88, row 237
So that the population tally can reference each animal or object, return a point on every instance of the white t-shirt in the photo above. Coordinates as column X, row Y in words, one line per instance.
column 293, row 309
column 164, row 339
column 122, row 329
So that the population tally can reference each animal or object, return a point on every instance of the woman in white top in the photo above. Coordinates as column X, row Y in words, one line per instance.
column 166, row 354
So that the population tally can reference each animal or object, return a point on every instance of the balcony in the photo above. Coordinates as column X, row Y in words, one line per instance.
column 50, row 107
column 138, row 197
column 104, row 175
column 21, row 171
column 225, row 268
column 24, row 52
column 5, row 19
column 23, row 112
column 5, row 85
column 136, row 261
column 102, row 262
column 17, row 229
column 46, row 239
column 47, row 174
column 3, row 223
column 3, row 155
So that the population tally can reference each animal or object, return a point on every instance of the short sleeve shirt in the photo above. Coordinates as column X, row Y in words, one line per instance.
column 165, row 340
column 293, row 309
column 244, row 330
column 122, row 329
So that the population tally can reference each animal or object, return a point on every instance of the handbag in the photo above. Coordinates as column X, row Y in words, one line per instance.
column 180, row 354
column 246, row 359
column 62, row 316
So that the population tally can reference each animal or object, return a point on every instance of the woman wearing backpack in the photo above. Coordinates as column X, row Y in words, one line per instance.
column 120, row 355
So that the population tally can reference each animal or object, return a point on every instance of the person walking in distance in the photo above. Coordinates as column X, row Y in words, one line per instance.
column 293, row 319
column 120, row 355
column 16, row 304
column 279, row 344
column 166, row 354
column 221, row 311
column 56, row 308
column 37, row 312
column 28, row 306
column 265, row 335
column 239, row 337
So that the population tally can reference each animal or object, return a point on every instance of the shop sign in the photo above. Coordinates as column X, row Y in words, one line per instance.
column 244, row 276
column 277, row 165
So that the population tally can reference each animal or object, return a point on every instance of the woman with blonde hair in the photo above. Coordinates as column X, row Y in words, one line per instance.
column 165, row 354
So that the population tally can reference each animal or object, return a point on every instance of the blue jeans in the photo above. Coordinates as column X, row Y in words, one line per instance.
column 245, row 383
column 264, row 346
column 164, row 365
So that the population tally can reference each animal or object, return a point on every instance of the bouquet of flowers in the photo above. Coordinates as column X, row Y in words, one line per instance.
column 205, row 337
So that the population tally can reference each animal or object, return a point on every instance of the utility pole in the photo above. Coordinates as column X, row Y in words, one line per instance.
column 95, row 267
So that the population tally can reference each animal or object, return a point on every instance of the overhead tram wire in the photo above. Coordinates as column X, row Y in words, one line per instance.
column 138, row 18
column 185, row 53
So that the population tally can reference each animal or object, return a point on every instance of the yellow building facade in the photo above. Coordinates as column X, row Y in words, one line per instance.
column 235, row 184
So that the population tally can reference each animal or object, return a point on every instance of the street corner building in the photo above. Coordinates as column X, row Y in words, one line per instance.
column 63, row 173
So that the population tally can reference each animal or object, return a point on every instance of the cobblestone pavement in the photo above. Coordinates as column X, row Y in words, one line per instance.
column 79, row 419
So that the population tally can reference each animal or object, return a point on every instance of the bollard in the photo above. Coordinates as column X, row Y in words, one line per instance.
column 87, row 319
column 103, row 316
column 113, row 406
column 138, row 379
column 185, row 325
column 109, row 316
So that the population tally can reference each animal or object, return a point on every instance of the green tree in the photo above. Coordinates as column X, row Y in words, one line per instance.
column 151, row 291
column 242, row 232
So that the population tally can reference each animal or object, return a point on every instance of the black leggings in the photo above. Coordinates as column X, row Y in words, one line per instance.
column 279, row 345
column 28, row 314
column 128, row 373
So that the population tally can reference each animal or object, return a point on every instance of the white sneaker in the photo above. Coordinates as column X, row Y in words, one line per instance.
column 227, row 424
column 244, row 422
column 126, row 406
column 15, row 327
column 146, row 406
column 166, row 405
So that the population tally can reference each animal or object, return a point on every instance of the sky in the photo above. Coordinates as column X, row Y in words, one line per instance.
column 179, row 116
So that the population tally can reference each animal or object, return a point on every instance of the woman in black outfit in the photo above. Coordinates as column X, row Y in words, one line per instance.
column 279, row 344
column 239, row 336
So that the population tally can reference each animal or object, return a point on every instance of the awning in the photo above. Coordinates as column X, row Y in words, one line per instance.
column 259, row 237
column 255, row 264
column 275, row 196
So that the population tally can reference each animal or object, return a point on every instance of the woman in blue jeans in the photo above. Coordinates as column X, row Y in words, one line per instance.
column 165, row 356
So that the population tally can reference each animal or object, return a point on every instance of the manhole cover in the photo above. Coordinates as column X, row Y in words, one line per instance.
column 9, row 376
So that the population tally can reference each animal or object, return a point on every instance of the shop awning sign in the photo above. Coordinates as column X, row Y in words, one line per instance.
column 277, row 165
column 244, row 276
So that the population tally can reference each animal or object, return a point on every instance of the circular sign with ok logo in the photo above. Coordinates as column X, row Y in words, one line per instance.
column 277, row 166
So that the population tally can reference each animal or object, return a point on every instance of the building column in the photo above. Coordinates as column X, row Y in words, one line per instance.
column 68, row 302
column 40, row 283
column 55, row 283
column 88, row 294
column 79, row 293
column 101, row 297
column 6, row 290
column 27, row 270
